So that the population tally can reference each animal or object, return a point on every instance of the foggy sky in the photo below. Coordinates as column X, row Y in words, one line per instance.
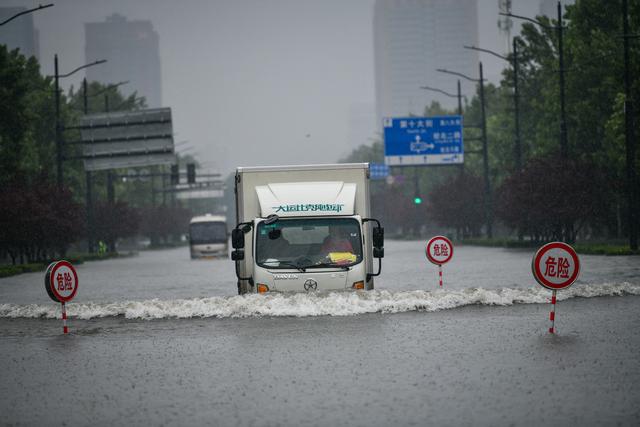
column 255, row 82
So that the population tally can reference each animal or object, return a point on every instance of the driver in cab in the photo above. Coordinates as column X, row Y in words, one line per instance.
column 337, row 246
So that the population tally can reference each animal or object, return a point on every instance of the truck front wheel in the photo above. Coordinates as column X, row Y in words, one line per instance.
column 242, row 287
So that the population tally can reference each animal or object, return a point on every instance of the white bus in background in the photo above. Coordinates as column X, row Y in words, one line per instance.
column 208, row 236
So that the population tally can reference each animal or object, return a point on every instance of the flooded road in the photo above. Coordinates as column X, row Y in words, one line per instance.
column 158, row 339
column 171, row 274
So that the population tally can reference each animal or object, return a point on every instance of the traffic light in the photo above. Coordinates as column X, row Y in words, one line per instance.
column 417, row 200
column 175, row 175
column 191, row 173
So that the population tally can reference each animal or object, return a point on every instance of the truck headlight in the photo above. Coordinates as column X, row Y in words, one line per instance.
column 262, row 288
column 358, row 285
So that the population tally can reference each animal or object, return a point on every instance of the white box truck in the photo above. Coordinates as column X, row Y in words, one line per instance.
column 305, row 228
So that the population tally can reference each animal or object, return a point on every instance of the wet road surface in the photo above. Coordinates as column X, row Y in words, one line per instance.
column 470, row 365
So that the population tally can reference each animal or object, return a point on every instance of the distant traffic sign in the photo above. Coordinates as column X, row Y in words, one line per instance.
column 556, row 266
column 439, row 250
column 378, row 170
column 127, row 139
column 410, row 141
column 61, row 281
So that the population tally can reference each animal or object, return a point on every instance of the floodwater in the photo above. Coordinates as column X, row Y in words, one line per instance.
column 158, row 339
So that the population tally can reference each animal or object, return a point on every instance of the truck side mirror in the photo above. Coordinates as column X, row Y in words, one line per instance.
column 378, row 252
column 237, row 255
column 378, row 237
column 237, row 239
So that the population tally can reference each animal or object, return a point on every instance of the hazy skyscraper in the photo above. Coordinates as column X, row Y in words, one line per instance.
column 131, row 51
column 20, row 32
column 412, row 38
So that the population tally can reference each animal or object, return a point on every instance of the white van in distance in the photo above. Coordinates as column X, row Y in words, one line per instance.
column 305, row 228
column 208, row 236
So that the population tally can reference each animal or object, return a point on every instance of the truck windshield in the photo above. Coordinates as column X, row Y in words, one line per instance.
column 309, row 243
column 207, row 232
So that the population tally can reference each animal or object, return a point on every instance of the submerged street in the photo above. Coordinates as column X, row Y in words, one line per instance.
column 165, row 340
column 331, row 149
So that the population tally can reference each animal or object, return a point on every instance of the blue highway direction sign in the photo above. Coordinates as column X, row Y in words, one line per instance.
column 410, row 141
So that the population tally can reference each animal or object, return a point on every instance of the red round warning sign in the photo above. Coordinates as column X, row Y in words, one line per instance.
column 439, row 250
column 555, row 265
column 61, row 281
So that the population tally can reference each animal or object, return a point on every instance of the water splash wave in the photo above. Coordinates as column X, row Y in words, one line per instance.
column 303, row 305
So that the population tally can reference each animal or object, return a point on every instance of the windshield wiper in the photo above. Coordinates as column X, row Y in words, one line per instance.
column 291, row 264
column 327, row 265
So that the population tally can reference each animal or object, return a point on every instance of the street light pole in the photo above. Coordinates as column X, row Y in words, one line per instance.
column 459, row 99
column 516, row 106
column 488, row 211
column 459, row 96
column 6, row 21
column 629, row 137
column 564, row 145
column 485, row 161
column 58, row 133
column 111, row 191
column 59, row 143
column 517, row 155
column 88, row 179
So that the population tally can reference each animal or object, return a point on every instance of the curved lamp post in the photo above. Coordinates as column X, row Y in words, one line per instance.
column 514, row 61
column 24, row 12
column 59, row 144
column 485, row 157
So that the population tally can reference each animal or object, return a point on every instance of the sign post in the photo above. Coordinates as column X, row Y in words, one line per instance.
column 555, row 266
column 61, row 283
column 439, row 250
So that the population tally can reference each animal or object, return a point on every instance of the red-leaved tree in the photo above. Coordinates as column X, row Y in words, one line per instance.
column 552, row 200
column 458, row 204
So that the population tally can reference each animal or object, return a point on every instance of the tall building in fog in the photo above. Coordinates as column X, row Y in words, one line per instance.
column 412, row 38
column 20, row 32
column 132, row 53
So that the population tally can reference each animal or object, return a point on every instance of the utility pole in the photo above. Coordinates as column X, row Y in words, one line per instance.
column 164, row 189
column 459, row 97
column 88, row 183
column 485, row 161
column 58, row 135
column 516, row 105
column 58, row 130
column 564, row 144
column 111, row 193
column 488, row 210
column 632, row 212
column 517, row 149
column 461, row 167
column 417, row 199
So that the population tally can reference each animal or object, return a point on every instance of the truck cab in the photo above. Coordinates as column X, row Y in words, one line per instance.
column 297, row 233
